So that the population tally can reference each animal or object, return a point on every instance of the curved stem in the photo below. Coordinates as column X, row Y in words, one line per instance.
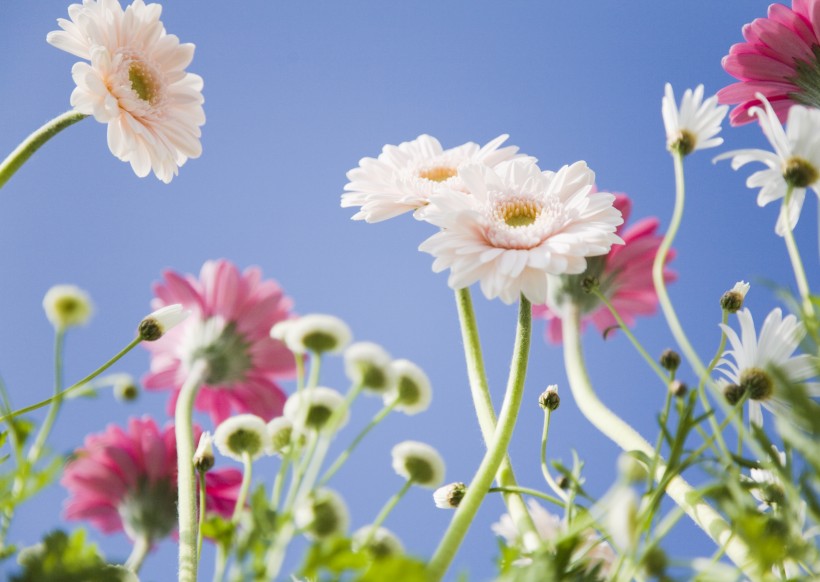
column 483, row 404
column 243, row 489
column 388, row 507
column 76, row 385
column 37, row 447
column 186, row 483
column 528, row 491
column 142, row 545
column 32, row 143
column 202, row 492
column 496, row 451
column 544, row 468
column 629, row 440
column 657, row 272
column 794, row 256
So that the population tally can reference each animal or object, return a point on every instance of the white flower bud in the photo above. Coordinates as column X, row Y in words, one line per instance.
column 204, row 456
column 154, row 326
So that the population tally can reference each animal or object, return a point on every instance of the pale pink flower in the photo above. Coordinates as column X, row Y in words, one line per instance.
column 404, row 177
column 136, row 83
column 624, row 276
column 229, row 326
column 519, row 224
column 127, row 480
column 779, row 59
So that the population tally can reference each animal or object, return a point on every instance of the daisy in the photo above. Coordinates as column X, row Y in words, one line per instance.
column 779, row 60
column 126, row 480
column 229, row 325
column 135, row 82
column 405, row 176
column 67, row 306
column 419, row 463
column 749, row 362
column 693, row 126
column 795, row 162
column 624, row 277
column 518, row 225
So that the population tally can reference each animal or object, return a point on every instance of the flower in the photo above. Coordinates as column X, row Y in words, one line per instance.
column 125, row 387
column 204, row 456
column 768, row 487
column 317, row 333
column 231, row 316
column 240, row 435
column 322, row 514
column 136, row 83
column 379, row 543
column 312, row 408
column 794, row 164
column 368, row 364
column 127, row 480
column 67, row 306
column 449, row 496
column 518, row 225
column 419, row 463
column 280, row 431
column 778, row 60
column 732, row 300
column 404, row 177
column 592, row 549
column 749, row 362
column 624, row 276
column 154, row 326
column 410, row 388
column 693, row 126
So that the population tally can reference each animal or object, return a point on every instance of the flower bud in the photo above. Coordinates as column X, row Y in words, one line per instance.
column 654, row 562
column 125, row 388
column 549, row 399
column 670, row 360
column 678, row 389
column 631, row 469
column 154, row 326
column 204, row 455
column 733, row 393
column 449, row 496
column 732, row 300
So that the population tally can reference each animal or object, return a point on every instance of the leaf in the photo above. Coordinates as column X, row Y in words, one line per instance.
column 335, row 555
column 219, row 529
column 403, row 568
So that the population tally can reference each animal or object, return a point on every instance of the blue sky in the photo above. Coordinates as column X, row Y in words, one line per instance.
column 295, row 95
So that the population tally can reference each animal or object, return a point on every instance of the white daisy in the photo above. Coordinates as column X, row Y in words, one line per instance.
column 749, row 362
column 518, row 225
column 136, row 83
column 312, row 408
column 767, row 484
column 419, row 463
column 67, row 306
column 794, row 163
column 379, row 543
column 695, row 125
column 410, row 386
column 405, row 176
column 240, row 434
column 317, row 333
column 368, row 364
column 322, row 514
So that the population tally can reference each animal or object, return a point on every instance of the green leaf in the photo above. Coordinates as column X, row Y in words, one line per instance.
column 398, row 568
column 334, row 555
column 219, row 529
column 63, row 558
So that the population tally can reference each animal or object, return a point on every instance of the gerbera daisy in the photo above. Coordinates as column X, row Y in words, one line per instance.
column 795, row 162
column 750, row 361
column 780, row 59
column 405, row 176
column 624, row 277
column 518, row 225
column 229, row 325
column 126, row 480
column 693, row 126
column 136, row 83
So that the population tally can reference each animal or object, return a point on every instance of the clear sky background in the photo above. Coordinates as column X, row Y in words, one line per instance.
column 295, row 94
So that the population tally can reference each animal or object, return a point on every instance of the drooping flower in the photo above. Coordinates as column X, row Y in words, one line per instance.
column 795, row 162
column 419, row 463
column 750, row 362
column 368, row 364
column 404, row 177
column 126, row 479
column 67, row 306
column 315, row 333
column 312, row 409
column 322, row 514
column 518, row 225
column 135, row 82
column 693, row 126
column 624, row 277
column 242, row 434
column 231, row 317
column 780, row 60
column 410, row 388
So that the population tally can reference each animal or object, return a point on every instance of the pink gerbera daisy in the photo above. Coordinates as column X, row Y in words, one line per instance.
column 624, row 276
column 126, row 480
column 229, row 327
column 780, row 59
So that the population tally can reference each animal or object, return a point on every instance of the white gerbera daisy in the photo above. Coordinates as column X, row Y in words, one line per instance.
column 136, row 83
column 696, row 124
column 405, row 176
column 749, row 362
column 518, row 225
column 795, row 162
column 419, row 463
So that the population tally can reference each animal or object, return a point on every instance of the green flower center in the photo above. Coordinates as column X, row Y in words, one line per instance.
column 799, row 173
column 318, row 415
column 409, row 392
column 326, row 519
column 150, row 510
column 757, row 383
column 808, row 80
column 143, row 82
column 684, row 143
column 228, row 357
column 419, row 469
column 373, row 377
column 320, row 341
column 245, row 441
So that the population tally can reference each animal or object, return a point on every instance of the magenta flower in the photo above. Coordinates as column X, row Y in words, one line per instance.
column 127, row 480
column 780, row 59
column 624, row 276
column 229, row 326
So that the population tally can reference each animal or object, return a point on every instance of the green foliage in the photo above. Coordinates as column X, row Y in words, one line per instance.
column 334, row 556
column 63, row 558
column 219, row 529
column 254, row 542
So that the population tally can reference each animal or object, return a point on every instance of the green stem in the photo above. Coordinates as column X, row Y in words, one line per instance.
column 657, row 271
column 528, row 491
column 704, row 399
column 201, row 475
column 794, row 256
column 300, row 371
column 276, row 494
column 496, row 451
column 37, row 448
column 142, row 545
column 76, row 385
column 388, row 507
column 629, row 440
column 483, row 404
column 33, row 142
column 544, row 468
column 186, row 483
column 315, row 368
column 244, row 488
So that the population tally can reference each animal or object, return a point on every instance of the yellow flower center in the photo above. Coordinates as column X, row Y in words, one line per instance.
column 799, row 173
column 438, row 173
column 143, row 82
column 519, row 213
